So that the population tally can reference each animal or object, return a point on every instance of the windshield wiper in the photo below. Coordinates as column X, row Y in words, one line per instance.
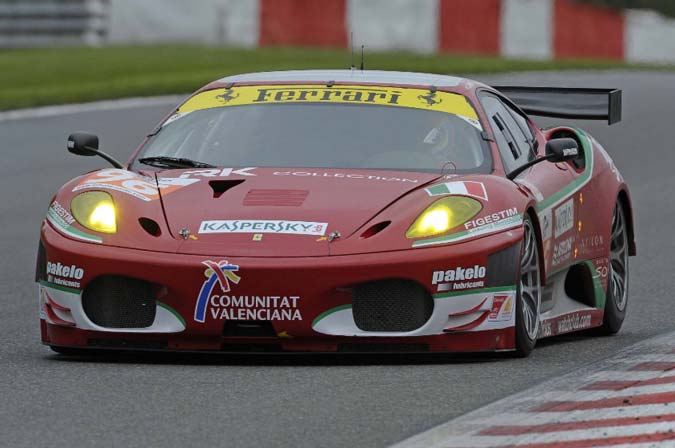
column 173, row 162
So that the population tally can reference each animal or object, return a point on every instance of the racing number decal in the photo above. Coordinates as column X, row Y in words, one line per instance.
column 123, row 181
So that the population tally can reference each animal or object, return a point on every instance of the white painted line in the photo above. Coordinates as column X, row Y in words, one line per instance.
column 592, row 395
column 69, row 109
column 520, row 409
column 541, row 418
column 625, row 375
column 562, row 436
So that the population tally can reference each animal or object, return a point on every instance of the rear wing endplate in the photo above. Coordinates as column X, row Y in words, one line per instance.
column 567, row 102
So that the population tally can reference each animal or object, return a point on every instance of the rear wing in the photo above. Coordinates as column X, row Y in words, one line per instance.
column 567, row 102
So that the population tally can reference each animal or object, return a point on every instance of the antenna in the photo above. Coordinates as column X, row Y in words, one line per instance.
column 351, row 39
column 362, row 57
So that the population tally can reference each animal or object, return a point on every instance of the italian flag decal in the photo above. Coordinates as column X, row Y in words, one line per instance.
column 464, row 188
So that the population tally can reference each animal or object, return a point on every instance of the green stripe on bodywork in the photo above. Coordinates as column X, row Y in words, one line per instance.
column 68, row 229
column 329, row 312
column 444, row 295
column 577, row 183
column 59, row 287
column 503, row 224
column 599, row 291
column 172, row 311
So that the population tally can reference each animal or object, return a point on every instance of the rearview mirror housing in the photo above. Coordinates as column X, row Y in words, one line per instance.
column 562, row 150
column 83, row 144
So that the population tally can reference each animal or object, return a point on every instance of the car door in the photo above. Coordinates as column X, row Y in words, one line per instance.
column 519, row 142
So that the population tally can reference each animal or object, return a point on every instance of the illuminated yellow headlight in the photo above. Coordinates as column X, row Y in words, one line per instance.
column 443, row 215
column 95, row 210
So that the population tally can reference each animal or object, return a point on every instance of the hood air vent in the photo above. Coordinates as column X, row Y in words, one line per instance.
column 221, row 186
column 287, row 198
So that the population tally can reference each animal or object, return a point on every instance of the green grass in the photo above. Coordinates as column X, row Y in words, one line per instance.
column 66, row 75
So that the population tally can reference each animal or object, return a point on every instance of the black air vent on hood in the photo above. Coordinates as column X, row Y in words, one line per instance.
column 221, row 186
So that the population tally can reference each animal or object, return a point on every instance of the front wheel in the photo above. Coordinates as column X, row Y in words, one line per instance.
column 528, row 295
column 617, row 277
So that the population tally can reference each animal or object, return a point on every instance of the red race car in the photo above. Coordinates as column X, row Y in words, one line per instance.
column 328, row 211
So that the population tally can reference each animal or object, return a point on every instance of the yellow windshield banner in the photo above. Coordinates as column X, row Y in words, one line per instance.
column 343, row 94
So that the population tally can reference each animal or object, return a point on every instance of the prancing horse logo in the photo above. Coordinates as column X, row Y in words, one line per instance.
column 430, row 99
column 228, row 96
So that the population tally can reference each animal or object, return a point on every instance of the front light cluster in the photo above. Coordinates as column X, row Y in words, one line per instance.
column 95, row 210
column 443, row 215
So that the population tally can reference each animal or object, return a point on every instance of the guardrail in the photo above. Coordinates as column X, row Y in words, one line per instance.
column 53, row 22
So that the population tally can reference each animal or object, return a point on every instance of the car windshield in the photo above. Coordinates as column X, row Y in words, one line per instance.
column 403, row 129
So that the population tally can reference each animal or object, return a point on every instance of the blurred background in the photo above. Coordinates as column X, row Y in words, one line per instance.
column 73, row 51
column 95, row 49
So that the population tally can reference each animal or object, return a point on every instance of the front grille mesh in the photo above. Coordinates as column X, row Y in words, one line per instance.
column 395, row 305
column 114, row 301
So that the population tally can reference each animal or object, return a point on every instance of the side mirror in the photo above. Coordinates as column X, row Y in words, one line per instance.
column 557, row 150
column 85, row 144
column 82, row 144
column 562, row 150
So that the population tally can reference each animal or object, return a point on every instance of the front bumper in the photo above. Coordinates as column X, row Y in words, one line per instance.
column 306, row 301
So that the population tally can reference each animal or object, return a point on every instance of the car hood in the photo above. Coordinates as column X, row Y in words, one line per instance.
column 275, row 212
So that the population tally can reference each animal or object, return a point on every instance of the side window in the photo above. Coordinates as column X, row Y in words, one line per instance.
column 514, row 145
column 522, row 123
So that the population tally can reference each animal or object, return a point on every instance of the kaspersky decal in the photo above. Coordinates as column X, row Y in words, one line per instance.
column 61, row 219
column 215, row 305
column 452, row 103
column 264, row 226
column 465, row 188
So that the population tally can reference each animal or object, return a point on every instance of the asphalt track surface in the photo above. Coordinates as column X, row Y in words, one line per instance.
column 49, row 400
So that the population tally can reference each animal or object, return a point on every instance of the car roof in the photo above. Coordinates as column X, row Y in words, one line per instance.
column 352, row 76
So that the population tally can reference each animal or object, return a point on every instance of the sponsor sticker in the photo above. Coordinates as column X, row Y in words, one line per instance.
column 562, row 251
column 545, row 329
column 564, row 218
column 61, row 219
column 574, row 322
column 218, row 172
column 216, row 302
column 490, row 220
column 502, row 308
column 64, row 275
column 452, row 103
column 591, row 244
column 459, row 278
column 464, row 188
column 546, row 224
column 328, row 174
column 264, row 226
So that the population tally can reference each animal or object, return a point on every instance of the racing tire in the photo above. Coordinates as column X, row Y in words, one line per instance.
column 528, row 291
column 616, row 301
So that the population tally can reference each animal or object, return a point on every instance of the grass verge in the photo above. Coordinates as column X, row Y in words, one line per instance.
column 38, row 77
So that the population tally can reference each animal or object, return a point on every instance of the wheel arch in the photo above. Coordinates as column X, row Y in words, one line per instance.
column 624, row 200
column 530, row 211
